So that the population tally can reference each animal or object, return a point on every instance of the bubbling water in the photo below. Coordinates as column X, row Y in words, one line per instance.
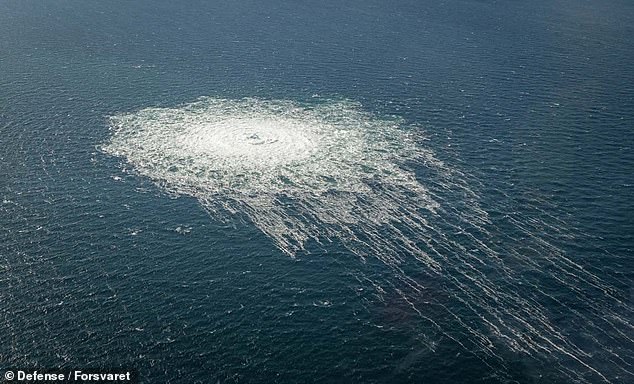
column 329, row 172
column 335, row 162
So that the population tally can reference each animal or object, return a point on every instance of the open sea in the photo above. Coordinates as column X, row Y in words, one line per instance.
column 318, row 192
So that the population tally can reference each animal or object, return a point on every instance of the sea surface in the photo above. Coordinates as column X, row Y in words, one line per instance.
column 335, row 192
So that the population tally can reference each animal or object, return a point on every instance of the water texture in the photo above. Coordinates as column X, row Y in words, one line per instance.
column 281, row 192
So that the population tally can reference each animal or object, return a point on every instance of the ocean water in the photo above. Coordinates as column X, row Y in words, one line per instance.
column 296, row 192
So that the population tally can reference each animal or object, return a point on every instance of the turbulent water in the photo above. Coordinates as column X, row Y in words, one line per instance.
column 299, row 172
column 329, row 172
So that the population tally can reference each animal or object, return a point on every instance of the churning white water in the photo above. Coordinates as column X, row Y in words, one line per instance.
column 298, row 172
column 330, row 172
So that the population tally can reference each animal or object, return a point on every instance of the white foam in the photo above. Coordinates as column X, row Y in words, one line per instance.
column 331, row 172
column 334, row 161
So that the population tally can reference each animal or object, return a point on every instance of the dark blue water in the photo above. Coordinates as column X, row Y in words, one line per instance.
column 530, row 107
